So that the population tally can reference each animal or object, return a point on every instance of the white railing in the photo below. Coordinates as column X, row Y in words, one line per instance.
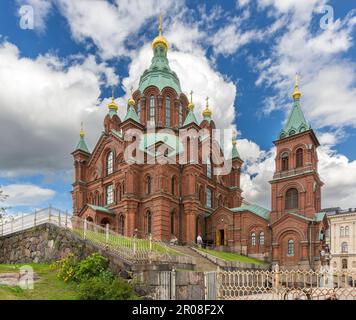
column 130, row 249
column 28, row 221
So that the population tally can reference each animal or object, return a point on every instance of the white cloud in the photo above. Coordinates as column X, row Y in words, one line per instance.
column 42, row 102
column 120, row 21
column 26, row 194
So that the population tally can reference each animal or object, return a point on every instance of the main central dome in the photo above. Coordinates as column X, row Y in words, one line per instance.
column 159, row 74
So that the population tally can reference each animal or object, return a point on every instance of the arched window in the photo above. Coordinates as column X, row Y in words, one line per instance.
column 109, row 163
column 291, row 199
column 122, row 224
column 149, row 223
column 299, row 158
column 168, row 111
column 172, row 223
column 285, row 161
column 344, row 247
column 344, row 263
column 148, row 185
column 109, row 195
column 290, row 248
column 208, row 198
column 173, row 185
column 342, row 232
column 180, row 114
column 253, row 239
column 89, row 219
column 118, row 193
column 105, row 222
column 152, row 109
column 208, row 168
column 347, row 231
column 262, row 238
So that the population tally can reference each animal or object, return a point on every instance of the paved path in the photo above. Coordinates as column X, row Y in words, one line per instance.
column 202, row 264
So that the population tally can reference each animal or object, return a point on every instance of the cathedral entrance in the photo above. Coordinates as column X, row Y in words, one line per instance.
column 220, row 237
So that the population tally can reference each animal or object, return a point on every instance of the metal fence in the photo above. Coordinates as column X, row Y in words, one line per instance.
column 130, row 249
column 324, row 284
column 28, row 221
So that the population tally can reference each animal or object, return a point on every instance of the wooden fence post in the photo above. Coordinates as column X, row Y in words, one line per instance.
column 107, row 233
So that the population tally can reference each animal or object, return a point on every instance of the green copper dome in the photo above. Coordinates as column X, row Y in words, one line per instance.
column 159, row 74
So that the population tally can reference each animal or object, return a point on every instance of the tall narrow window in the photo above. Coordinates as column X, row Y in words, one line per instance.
column 344, row 263
column 109, row 194
column 253, row 239
column 152, row 109
column 173, row 185
column 342, row 232
column 291, row 199
column 109, row 163
column 180, row 114
column 122, row 225
column 208, row 168
column 299, row 158
column 168, row 111
column 262, row 238
column 285, row 161
column 208, row 198
column 149, row 222
column 290, row 247
column 148, row 185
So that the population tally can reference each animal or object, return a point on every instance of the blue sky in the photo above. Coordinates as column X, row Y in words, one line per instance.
column 243, row 54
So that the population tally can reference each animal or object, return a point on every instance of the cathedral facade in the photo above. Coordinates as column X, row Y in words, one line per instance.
column 185, row 199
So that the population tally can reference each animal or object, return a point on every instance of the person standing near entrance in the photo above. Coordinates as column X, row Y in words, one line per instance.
column 199, row 240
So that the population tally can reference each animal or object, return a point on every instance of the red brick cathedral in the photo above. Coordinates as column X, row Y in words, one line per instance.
column 190, row 199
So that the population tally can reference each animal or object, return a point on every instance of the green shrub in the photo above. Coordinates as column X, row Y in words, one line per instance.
column 102, row 288
column 68, row 268
column 92, row 266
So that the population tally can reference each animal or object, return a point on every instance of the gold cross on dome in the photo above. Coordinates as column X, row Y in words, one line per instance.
column 160, row 29
column 207, row 101
column 191, row 96
column 112, row 93
column 296, row 79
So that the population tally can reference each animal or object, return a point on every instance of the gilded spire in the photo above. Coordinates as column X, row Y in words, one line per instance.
column 160, row 39
column 207, row 113
column 234, row 138
column 131, row 100
column 81, row 133
column 191, row 104
column 296, row 93
column 112, row 105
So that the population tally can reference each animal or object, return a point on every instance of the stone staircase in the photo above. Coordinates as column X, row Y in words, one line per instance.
column 202, row 263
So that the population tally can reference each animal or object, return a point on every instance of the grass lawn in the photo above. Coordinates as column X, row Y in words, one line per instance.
column 48, row 287
column 230, row 256
column 125, row 242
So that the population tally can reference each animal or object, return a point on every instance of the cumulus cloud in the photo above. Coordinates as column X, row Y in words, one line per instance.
column 43, row 101
column 123, row 19
column 27, row 195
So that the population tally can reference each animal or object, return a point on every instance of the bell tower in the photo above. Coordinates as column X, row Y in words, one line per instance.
column 296, row 186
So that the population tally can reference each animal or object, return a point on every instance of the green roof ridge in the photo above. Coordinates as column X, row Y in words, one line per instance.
column 132, row 114
column 235, row 153
column 296, row 122
column 190, row 118
column 159, row 74
column 82, row 145
column 258, row 210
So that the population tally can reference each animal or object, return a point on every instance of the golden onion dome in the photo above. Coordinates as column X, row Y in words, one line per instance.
column 191, row 104
column 234, row 139
column 207, row 112
column 131, row 101
column 112, row 105
column 296, row 93
column 160, row 39
column 81, row 132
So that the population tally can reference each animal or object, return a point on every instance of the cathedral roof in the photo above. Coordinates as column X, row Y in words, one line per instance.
column 100, row 208
column 159, row 74
column 296, row 122
column 190, row 118
column 81, row 144
column 172, row 142
column 132, row 114
column 254, row 208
